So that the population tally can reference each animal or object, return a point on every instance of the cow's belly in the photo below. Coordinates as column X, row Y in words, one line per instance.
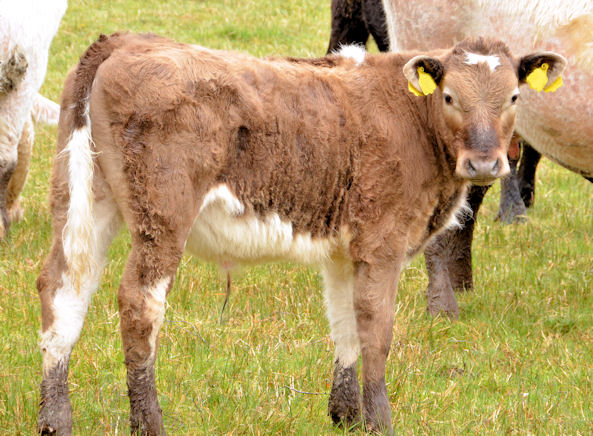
column 225, row 234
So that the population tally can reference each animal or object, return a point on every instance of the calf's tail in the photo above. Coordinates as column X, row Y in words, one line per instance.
column 78, row 234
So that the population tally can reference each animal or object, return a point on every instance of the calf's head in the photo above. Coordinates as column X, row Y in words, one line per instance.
column 477, row 87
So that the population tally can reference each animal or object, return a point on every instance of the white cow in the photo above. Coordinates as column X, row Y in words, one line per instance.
column 27, row 28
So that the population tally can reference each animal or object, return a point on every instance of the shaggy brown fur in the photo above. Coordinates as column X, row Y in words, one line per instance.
column 338, row 150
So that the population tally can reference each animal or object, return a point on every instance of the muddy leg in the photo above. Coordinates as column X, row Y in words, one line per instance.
column 344, row 399
column 527, row 168
column 375, row 288
column 148, row 277
column 511, row 208
column 348, row 26
column 63, row 310
column 449, row 260
column 18, row 178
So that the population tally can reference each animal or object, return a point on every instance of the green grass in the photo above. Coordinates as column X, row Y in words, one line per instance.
column 518, row 361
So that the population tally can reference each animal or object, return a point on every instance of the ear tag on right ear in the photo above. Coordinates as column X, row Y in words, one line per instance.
column 413, row 90
column 538, row 78
column 427, row 84
column 555, row 85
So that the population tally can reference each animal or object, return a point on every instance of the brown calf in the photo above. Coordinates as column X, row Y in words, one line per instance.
column 239, row 160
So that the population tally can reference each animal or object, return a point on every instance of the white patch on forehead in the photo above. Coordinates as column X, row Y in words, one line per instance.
column 356, row 52
column 474, row 59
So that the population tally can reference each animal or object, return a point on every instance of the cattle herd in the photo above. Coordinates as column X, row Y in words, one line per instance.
column 353, row 162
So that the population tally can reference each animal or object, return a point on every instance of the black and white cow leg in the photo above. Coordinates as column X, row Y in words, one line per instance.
column 347, row 25
column 344, row 400
column 449, row 260
column 526, row 174
column 511, row 208
column 376, row 22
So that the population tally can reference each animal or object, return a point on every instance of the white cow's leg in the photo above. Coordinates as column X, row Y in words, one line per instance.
column 63, row 310
column 8, row 163
column 18, row 178
column 344, row 400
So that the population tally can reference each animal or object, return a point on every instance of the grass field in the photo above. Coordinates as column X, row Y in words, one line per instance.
column 518, row 361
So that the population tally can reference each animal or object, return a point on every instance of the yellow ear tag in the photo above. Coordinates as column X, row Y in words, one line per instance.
column 555, row 85
column 427, row 84
column 413, row 90
column 538, row 78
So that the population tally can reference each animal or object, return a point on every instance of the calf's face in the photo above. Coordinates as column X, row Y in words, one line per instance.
column 477, row 87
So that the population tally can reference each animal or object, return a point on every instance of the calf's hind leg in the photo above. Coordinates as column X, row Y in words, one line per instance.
column 63, row 310
column 147, row 279
column 344, row 399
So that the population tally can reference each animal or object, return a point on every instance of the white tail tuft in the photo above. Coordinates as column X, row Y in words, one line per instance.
column 78, row 235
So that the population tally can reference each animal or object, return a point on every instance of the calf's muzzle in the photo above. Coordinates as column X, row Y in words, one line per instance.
column 483, row 157
column 482, row 169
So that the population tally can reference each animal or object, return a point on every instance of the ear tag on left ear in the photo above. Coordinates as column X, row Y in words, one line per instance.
column 555, row 85
column 427, row 84
column 538, row 78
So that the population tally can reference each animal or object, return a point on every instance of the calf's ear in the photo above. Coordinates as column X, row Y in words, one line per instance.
column 424, row 73
column 542, row 70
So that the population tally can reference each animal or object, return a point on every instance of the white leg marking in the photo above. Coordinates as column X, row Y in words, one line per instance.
column 339, row 299
column 70, row 305
column 155, row 310
column 69, row 309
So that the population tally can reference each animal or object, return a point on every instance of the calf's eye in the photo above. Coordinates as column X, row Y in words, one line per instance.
column 448, row 99
column 514, row 98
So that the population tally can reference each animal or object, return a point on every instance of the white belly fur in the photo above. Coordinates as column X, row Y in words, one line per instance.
column 225, row 234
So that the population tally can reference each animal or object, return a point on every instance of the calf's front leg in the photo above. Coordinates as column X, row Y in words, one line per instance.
column 344, row 399
column 375, row 289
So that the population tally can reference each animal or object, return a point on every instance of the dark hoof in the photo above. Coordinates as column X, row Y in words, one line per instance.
column 440, row 298
column 512, row 214
column 344, row 400
column 448, row 309
column 57, row 423
column 55, row 412
column 377, row 410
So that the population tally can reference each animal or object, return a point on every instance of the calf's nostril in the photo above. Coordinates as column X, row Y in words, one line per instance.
column 470, row 168
column 483, row 167
column 496, row 167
